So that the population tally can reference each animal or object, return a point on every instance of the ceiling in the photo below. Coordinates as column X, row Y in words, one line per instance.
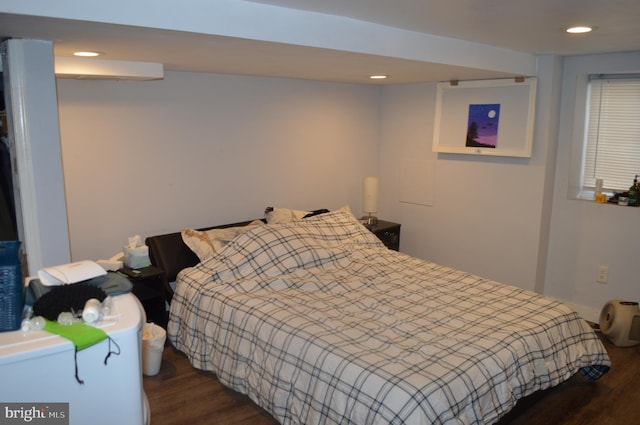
column 533, row 27
column 523, row 25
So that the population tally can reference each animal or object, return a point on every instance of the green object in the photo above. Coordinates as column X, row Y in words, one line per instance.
column 81, row 334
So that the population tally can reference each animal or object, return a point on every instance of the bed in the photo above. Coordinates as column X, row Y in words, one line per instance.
column 318, row 322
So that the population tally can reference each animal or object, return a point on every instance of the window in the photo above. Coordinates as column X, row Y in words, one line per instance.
column 612, row 145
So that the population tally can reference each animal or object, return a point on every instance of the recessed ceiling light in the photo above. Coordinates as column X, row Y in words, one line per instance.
column 378, row 77
column 86, row 54
column 579, row 30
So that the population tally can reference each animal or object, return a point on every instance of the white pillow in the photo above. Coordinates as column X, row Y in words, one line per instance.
column 205, row 243
column 284, row 215
column 344, row 208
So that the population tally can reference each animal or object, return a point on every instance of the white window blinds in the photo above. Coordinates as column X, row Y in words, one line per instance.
column 613, row 132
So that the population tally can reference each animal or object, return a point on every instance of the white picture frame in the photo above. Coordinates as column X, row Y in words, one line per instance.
column 457, row 101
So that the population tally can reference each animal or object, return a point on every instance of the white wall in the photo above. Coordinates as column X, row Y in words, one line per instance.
column 585, row 234
column 196, row 150
column 513, row 220
column 486, row 215
column 35, row 147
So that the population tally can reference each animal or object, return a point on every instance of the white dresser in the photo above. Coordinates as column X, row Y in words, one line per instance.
column 39, row 367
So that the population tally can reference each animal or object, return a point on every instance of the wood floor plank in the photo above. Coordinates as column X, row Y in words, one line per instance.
column 613, row 400
column 180, row 394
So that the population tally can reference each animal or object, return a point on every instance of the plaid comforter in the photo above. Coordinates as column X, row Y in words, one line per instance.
column 319, row 323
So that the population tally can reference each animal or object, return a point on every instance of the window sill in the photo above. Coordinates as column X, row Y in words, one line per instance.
column 587, row 196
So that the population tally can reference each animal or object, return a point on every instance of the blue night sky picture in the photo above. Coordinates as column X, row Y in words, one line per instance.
column 482, row 127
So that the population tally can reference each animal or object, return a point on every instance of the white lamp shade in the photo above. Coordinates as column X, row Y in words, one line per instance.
column 370, row 194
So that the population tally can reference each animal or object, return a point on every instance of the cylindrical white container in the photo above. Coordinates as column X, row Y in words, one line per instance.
column 599, row 185
column 91, row 311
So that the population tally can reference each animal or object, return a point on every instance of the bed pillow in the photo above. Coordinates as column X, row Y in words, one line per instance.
column 283, row 215
column 344, row 208
column 316, row 212
column 287, row 215
column 205, row 243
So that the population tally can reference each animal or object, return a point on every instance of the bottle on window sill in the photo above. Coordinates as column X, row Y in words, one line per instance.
column 634, row 191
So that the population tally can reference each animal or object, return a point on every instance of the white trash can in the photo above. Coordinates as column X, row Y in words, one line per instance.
column 153, row 337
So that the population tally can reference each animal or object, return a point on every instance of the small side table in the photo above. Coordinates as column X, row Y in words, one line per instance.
column 388, row 233
column 148, row 287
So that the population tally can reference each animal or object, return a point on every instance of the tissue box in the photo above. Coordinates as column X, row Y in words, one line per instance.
column 137, row 257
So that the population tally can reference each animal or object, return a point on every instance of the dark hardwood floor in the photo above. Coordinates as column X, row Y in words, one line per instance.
column 179, row 394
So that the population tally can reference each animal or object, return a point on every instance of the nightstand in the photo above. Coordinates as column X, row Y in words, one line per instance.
column 388, row 233
column 148, row 287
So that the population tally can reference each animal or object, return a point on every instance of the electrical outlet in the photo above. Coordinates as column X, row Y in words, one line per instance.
column 603, row 274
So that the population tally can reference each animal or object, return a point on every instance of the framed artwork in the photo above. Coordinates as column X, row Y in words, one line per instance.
column 485, row 117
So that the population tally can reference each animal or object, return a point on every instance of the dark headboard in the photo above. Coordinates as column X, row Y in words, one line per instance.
column 169, row 253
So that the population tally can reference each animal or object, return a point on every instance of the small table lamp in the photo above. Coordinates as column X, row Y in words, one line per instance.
column 370, row 200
